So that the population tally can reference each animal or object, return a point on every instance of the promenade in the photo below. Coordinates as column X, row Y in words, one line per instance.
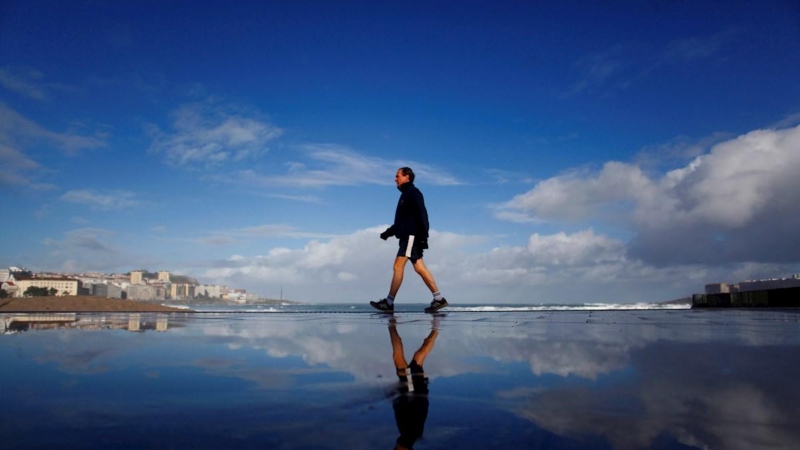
column 672, row 379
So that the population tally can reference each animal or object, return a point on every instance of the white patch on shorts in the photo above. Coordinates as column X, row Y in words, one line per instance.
column 409, row 246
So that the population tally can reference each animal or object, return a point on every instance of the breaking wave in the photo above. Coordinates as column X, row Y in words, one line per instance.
column 418, row 307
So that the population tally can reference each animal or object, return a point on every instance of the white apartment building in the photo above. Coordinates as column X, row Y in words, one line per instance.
column 63, row 286
column 208, row 290
column 182, row 291
column 163, row 276
column 145, row 292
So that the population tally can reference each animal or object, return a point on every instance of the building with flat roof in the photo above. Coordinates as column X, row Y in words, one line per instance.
column 718, row 288
column 106, row 290
column 63, row 286
column 776, row 283
column 145, row 292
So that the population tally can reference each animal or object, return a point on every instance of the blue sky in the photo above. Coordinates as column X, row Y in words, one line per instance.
column 568, row 152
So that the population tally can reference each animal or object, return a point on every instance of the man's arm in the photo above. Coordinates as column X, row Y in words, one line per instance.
column 421, row 217
column 388, row 233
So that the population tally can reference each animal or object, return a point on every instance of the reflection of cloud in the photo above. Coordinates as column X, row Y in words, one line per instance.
column 676, row 374
column 710, row 396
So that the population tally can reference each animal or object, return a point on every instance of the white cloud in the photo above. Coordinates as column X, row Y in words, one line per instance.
column 735, row 203
column 25, row 81
column 102, row 200
column 204, row 135
column 617, row 67
column 84, row 238
column 598, row 68
column 19, row 131
column 582, row 248
column 239, row 235
column 698, row 47
column 577, row 267
column 337, row 165
column 16, row 169
column 578, row 194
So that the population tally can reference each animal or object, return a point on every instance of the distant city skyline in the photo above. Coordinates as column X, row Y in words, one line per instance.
column 568, row 153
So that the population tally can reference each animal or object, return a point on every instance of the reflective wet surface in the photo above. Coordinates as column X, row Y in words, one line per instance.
column 557, row 380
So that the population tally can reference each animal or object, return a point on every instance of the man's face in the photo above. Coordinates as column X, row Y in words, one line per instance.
column 401, row 179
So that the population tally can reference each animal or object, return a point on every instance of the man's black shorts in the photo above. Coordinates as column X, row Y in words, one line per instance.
column 409, row 247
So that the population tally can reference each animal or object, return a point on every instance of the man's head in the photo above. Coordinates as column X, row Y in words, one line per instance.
column 404, row 175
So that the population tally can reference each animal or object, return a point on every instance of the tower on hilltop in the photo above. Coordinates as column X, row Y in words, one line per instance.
column 163, row 276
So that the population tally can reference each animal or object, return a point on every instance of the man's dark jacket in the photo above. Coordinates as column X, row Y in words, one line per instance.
column 411, row 217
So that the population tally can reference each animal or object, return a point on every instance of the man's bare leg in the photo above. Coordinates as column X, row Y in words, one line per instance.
column 427, row 277
column 397, row 275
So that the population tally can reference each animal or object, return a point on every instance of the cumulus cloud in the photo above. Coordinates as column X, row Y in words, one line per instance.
column 102, row 200
column 578, row 194
column 317, row 262
column 562, row 267
column 206, row 135
column 735, row 203
column 582, row 248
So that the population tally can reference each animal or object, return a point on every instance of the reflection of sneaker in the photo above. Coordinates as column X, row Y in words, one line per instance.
column 382, row 305
column 436, row 322
column 436, row 305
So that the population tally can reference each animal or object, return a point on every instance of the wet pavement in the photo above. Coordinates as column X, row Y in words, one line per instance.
column 677, row 379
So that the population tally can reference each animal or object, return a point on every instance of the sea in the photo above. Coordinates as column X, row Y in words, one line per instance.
column 296, row 308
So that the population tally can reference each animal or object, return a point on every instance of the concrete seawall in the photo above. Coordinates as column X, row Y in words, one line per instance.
column 772, row 298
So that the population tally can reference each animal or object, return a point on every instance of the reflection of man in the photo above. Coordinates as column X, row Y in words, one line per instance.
column 411, row 404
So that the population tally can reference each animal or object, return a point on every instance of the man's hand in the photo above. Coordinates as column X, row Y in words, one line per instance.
column 423, row 244
column 385, row 235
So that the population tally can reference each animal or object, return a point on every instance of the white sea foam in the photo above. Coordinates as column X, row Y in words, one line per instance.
column 177, row 306
column 580, row 307
column 403, row 307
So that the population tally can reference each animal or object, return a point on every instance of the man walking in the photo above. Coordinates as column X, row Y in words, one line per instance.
column 411, row 228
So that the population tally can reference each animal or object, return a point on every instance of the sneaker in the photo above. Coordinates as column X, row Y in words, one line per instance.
column 382, row 305
column 436, row 305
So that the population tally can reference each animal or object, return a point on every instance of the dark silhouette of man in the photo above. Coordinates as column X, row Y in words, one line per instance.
column 411, row 229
